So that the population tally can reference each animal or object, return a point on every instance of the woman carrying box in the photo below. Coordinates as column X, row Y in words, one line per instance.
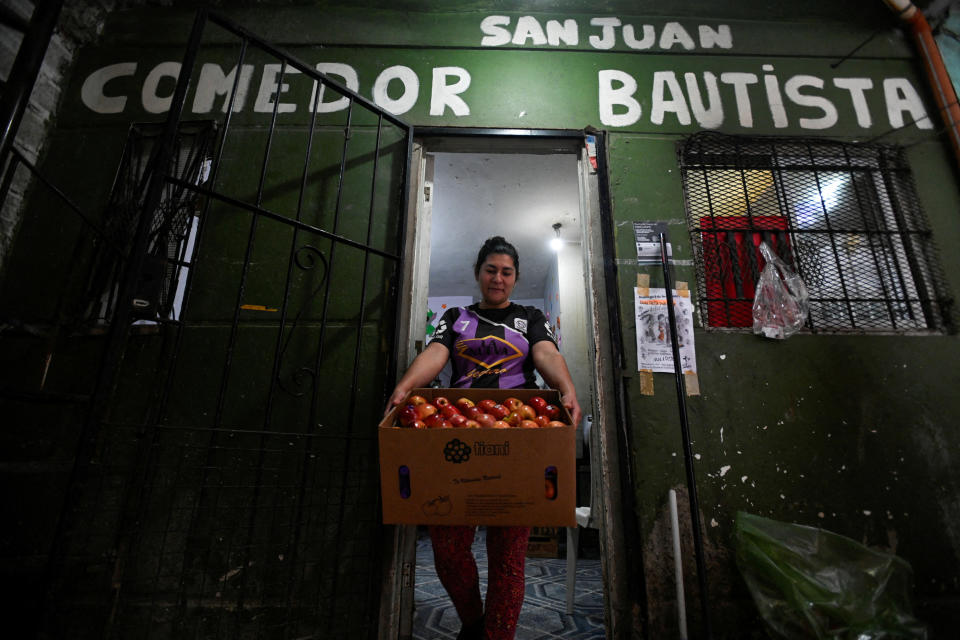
column 492, row 344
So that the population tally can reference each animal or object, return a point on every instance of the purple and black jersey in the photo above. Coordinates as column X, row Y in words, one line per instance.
column 490, row 348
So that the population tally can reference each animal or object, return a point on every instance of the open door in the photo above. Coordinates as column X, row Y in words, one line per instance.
column 598, row 396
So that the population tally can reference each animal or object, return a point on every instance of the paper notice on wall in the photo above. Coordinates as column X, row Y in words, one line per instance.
column 647, row 236
column 654, row 350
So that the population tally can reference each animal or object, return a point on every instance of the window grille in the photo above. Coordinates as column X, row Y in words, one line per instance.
column 172, row 230
column 845, row 216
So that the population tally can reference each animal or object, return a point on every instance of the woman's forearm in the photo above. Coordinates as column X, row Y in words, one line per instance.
column 424, row 368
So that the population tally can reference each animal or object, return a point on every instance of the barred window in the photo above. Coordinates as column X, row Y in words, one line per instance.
column 845, row 216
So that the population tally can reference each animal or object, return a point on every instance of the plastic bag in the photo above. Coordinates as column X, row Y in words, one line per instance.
column 781, row 302
column 811, row 583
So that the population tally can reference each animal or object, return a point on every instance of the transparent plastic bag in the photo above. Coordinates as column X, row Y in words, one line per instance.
column 781, row 302
column 811, row 583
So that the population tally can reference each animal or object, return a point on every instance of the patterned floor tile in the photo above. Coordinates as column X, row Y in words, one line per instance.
column 543, row 616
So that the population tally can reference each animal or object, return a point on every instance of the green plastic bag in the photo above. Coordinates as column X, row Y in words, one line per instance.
column 811, row 583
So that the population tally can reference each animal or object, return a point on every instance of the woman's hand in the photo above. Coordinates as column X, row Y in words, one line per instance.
column 424, row 368
column 553, row 368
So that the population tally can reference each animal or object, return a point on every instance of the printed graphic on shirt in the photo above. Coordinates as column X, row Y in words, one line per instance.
column 520, row 325
column 489, row 352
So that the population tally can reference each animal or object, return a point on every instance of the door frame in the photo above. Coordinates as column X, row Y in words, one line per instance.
column 600, row 280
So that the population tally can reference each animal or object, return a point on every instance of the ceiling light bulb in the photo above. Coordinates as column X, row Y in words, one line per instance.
column 556, row 243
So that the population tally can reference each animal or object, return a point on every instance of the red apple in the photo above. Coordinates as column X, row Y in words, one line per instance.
column 406, row 415
column 441, row 401
column 418, row 424
column 512, row 403
column 457, row 420
column 526, row 412
column 552, row 411
column 556, row 423
column 433, row 421
column 500, row 424
column 529, row 424
column 472, row 412
column 513, row 419
column 416, row 400
column 448, row 410
column 471, row 424
column 542, row 421
column 425, row 410
column 464, row 403
column 499, row 411
column 486, row 420
column 486, row 404
column 537, row 403
column 445, row 424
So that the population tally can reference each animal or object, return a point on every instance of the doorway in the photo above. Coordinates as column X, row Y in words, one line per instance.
column 474, row 186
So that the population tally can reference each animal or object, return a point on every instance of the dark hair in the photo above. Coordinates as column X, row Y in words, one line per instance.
column 496, row 244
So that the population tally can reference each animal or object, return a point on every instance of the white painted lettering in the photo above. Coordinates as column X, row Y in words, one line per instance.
column 676, row 104
column 707, row 117
column 792, row 88
column 674, row 33
column 270, row 86
column 494, row 33
column 649, row 37
column 721, row 37
column 411, row 89
column 444, row 95
column 607, row 37
column 741, row 93
column 528, row 28
column 902, row 98
column 153, row 103
column 213, row 83
column 349, row 76
column 858, row 88
column 92, row 92
column 774, row 98
column 567, row 33
column 621, row 96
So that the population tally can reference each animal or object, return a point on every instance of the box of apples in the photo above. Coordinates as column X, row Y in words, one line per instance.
column 502, row 457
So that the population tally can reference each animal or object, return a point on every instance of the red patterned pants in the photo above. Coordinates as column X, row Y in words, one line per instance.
column 457, row 569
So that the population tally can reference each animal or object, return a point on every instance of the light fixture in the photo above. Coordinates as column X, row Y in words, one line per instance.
column 556, row 243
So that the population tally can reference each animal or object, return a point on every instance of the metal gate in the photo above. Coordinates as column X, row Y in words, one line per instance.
column 227, row 482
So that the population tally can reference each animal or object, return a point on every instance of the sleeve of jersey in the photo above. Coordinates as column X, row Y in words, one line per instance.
column 538, row 327
column 444, row 333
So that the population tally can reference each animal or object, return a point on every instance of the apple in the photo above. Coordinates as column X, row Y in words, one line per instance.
column 552, row 411
column 513, row 419
column 550, row 489
column 542, row 421
column 537, row 403
column 425, row 410
column 448, row 410
column 441, row 401
column 472, row 412
column 529, row 424
column 464, row 403
column 471, row 424
column 486, row 420
column 499, row 411
column 416, row 400
column 445, row 424
column 486, row 404
column 556, row 423
column 418, row 424
column 526, row 412
column 433, row 420
column 512, row 403
column 406, row 415
column 500, row 424
column 457, row 420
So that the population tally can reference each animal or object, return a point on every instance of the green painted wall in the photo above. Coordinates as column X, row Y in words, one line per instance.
column 851, row 433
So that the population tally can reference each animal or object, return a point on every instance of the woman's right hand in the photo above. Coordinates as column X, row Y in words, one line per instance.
column 396, row 398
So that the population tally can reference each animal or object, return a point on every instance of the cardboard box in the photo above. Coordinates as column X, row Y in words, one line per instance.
column 478, row 476
column 544, row 542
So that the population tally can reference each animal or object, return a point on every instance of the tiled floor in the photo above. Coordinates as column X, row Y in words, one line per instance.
column 544, row 614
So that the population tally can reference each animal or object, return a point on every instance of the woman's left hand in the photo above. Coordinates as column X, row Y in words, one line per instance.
column 570, row 402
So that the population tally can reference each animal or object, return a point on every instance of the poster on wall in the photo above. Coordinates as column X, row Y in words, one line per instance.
column 647, row 236
column 654, row 351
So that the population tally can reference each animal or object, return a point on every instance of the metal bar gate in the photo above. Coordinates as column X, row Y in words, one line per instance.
column 226, row 482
